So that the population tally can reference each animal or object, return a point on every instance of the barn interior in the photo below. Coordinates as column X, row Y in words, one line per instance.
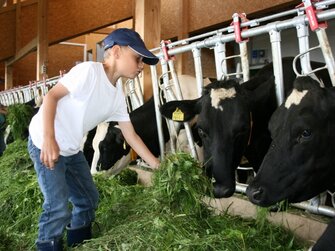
column 41, row 40
column 33, row 37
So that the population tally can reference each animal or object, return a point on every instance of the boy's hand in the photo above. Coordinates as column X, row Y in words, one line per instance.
column 49, row 153
column 155, row 164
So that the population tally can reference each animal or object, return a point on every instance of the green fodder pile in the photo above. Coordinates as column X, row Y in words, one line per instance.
column 20, row 199
column 18, row 117
column 169, row 215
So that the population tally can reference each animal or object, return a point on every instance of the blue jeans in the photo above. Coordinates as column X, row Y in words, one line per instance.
column 70, row 181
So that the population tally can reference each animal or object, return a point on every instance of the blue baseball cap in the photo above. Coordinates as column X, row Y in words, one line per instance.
column 128, row 37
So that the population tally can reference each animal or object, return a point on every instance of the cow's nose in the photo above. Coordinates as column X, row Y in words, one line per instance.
column 255, row 194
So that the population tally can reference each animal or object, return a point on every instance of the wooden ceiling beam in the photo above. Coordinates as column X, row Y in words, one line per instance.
column 31, row 46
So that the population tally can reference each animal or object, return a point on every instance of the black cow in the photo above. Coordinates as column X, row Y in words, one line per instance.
column 233, row 121
column 300, row 162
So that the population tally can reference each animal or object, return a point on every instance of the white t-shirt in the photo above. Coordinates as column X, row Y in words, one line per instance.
column 92, row 99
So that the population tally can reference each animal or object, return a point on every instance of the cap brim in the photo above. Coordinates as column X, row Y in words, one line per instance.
column 148, row 57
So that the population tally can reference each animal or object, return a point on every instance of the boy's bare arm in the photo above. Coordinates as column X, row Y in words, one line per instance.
column 50, row 149
column 137, row 144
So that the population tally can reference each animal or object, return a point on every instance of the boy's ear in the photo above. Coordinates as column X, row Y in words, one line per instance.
column 115, row 51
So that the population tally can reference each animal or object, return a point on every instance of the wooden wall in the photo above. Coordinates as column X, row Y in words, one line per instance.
column 66, row 19
column 71, row 18
column 205, row 14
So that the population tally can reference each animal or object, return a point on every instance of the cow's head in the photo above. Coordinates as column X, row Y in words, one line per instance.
column 112, row 147
column 223, row 123
column 299, row 162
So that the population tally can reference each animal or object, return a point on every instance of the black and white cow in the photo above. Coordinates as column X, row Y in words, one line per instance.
column 300, row 161
column 233, row 120
column 110, row 146
column 106, row 148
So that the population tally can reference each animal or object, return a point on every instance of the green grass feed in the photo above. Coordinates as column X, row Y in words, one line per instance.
column 18, row 117
column 169, row 215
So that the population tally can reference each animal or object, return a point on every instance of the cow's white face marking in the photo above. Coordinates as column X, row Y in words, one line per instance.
column 220, row 94
column 295, row 98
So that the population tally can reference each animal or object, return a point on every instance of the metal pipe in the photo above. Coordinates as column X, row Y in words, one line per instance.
column 140, row 90
column 312, row 71
column 158, row 115
column 167, row 90
column 220, row 63
column 131, row 92
column 303, row 35
column 169, row 96
column 327, row 53
column 175, row 80
column 241, row 188
column 324, row 210
column 198, row 69
column 277, row 64
column 244, row 60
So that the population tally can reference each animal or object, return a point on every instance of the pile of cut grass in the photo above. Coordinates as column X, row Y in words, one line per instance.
column 18, row 117
column 169, row 215
column 20, row 199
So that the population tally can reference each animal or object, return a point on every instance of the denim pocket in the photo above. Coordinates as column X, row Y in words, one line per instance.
column 32, row 150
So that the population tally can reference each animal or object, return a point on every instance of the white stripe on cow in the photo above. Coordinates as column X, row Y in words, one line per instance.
column 220, row 94
column 295, row 98
column 100, row 134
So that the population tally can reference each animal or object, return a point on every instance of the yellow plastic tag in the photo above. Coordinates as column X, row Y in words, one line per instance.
column 178, row 115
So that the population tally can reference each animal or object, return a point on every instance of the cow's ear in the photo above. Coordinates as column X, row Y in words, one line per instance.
column 183, row 110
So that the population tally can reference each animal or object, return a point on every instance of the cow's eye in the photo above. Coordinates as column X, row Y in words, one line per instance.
column 306, row 134
column 201, row 132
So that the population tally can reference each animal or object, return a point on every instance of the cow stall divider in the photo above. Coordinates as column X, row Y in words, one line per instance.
column 134, row 94
column 23, row 94
column 310, row 15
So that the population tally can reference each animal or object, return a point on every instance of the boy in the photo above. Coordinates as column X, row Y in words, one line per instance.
column 88, row 95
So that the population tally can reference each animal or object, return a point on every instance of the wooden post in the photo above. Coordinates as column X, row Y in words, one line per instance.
column 18, row 27
column 42, row 40
column 148, row 25
column 8, row 76
column 183, row 25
